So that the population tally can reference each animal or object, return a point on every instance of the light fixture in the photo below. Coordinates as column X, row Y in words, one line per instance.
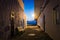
column 12, row 14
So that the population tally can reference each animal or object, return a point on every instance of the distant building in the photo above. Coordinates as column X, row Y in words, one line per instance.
column 37, row 5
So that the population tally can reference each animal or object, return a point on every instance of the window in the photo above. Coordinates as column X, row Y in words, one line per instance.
column 56, row 15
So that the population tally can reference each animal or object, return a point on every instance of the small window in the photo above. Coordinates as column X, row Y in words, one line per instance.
column 56, row 15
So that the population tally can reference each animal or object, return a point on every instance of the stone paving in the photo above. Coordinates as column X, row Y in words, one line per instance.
column 32, row 34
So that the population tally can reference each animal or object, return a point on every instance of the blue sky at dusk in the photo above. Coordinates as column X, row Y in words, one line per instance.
column 29, row 9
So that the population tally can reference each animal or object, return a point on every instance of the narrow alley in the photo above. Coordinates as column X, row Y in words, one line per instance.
column 29, row 19
column 34, row 33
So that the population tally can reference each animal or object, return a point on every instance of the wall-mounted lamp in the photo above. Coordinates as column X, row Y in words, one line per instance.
column 12, row 14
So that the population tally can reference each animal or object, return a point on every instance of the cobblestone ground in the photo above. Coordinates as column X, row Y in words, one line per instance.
column 32, row 34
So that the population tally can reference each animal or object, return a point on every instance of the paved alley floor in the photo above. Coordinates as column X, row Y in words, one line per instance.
column 32, row 34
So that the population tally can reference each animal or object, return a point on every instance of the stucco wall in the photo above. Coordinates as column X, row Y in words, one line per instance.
column 40, row 22
column 51, row 28
column 37, row 5
column 6, row 7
